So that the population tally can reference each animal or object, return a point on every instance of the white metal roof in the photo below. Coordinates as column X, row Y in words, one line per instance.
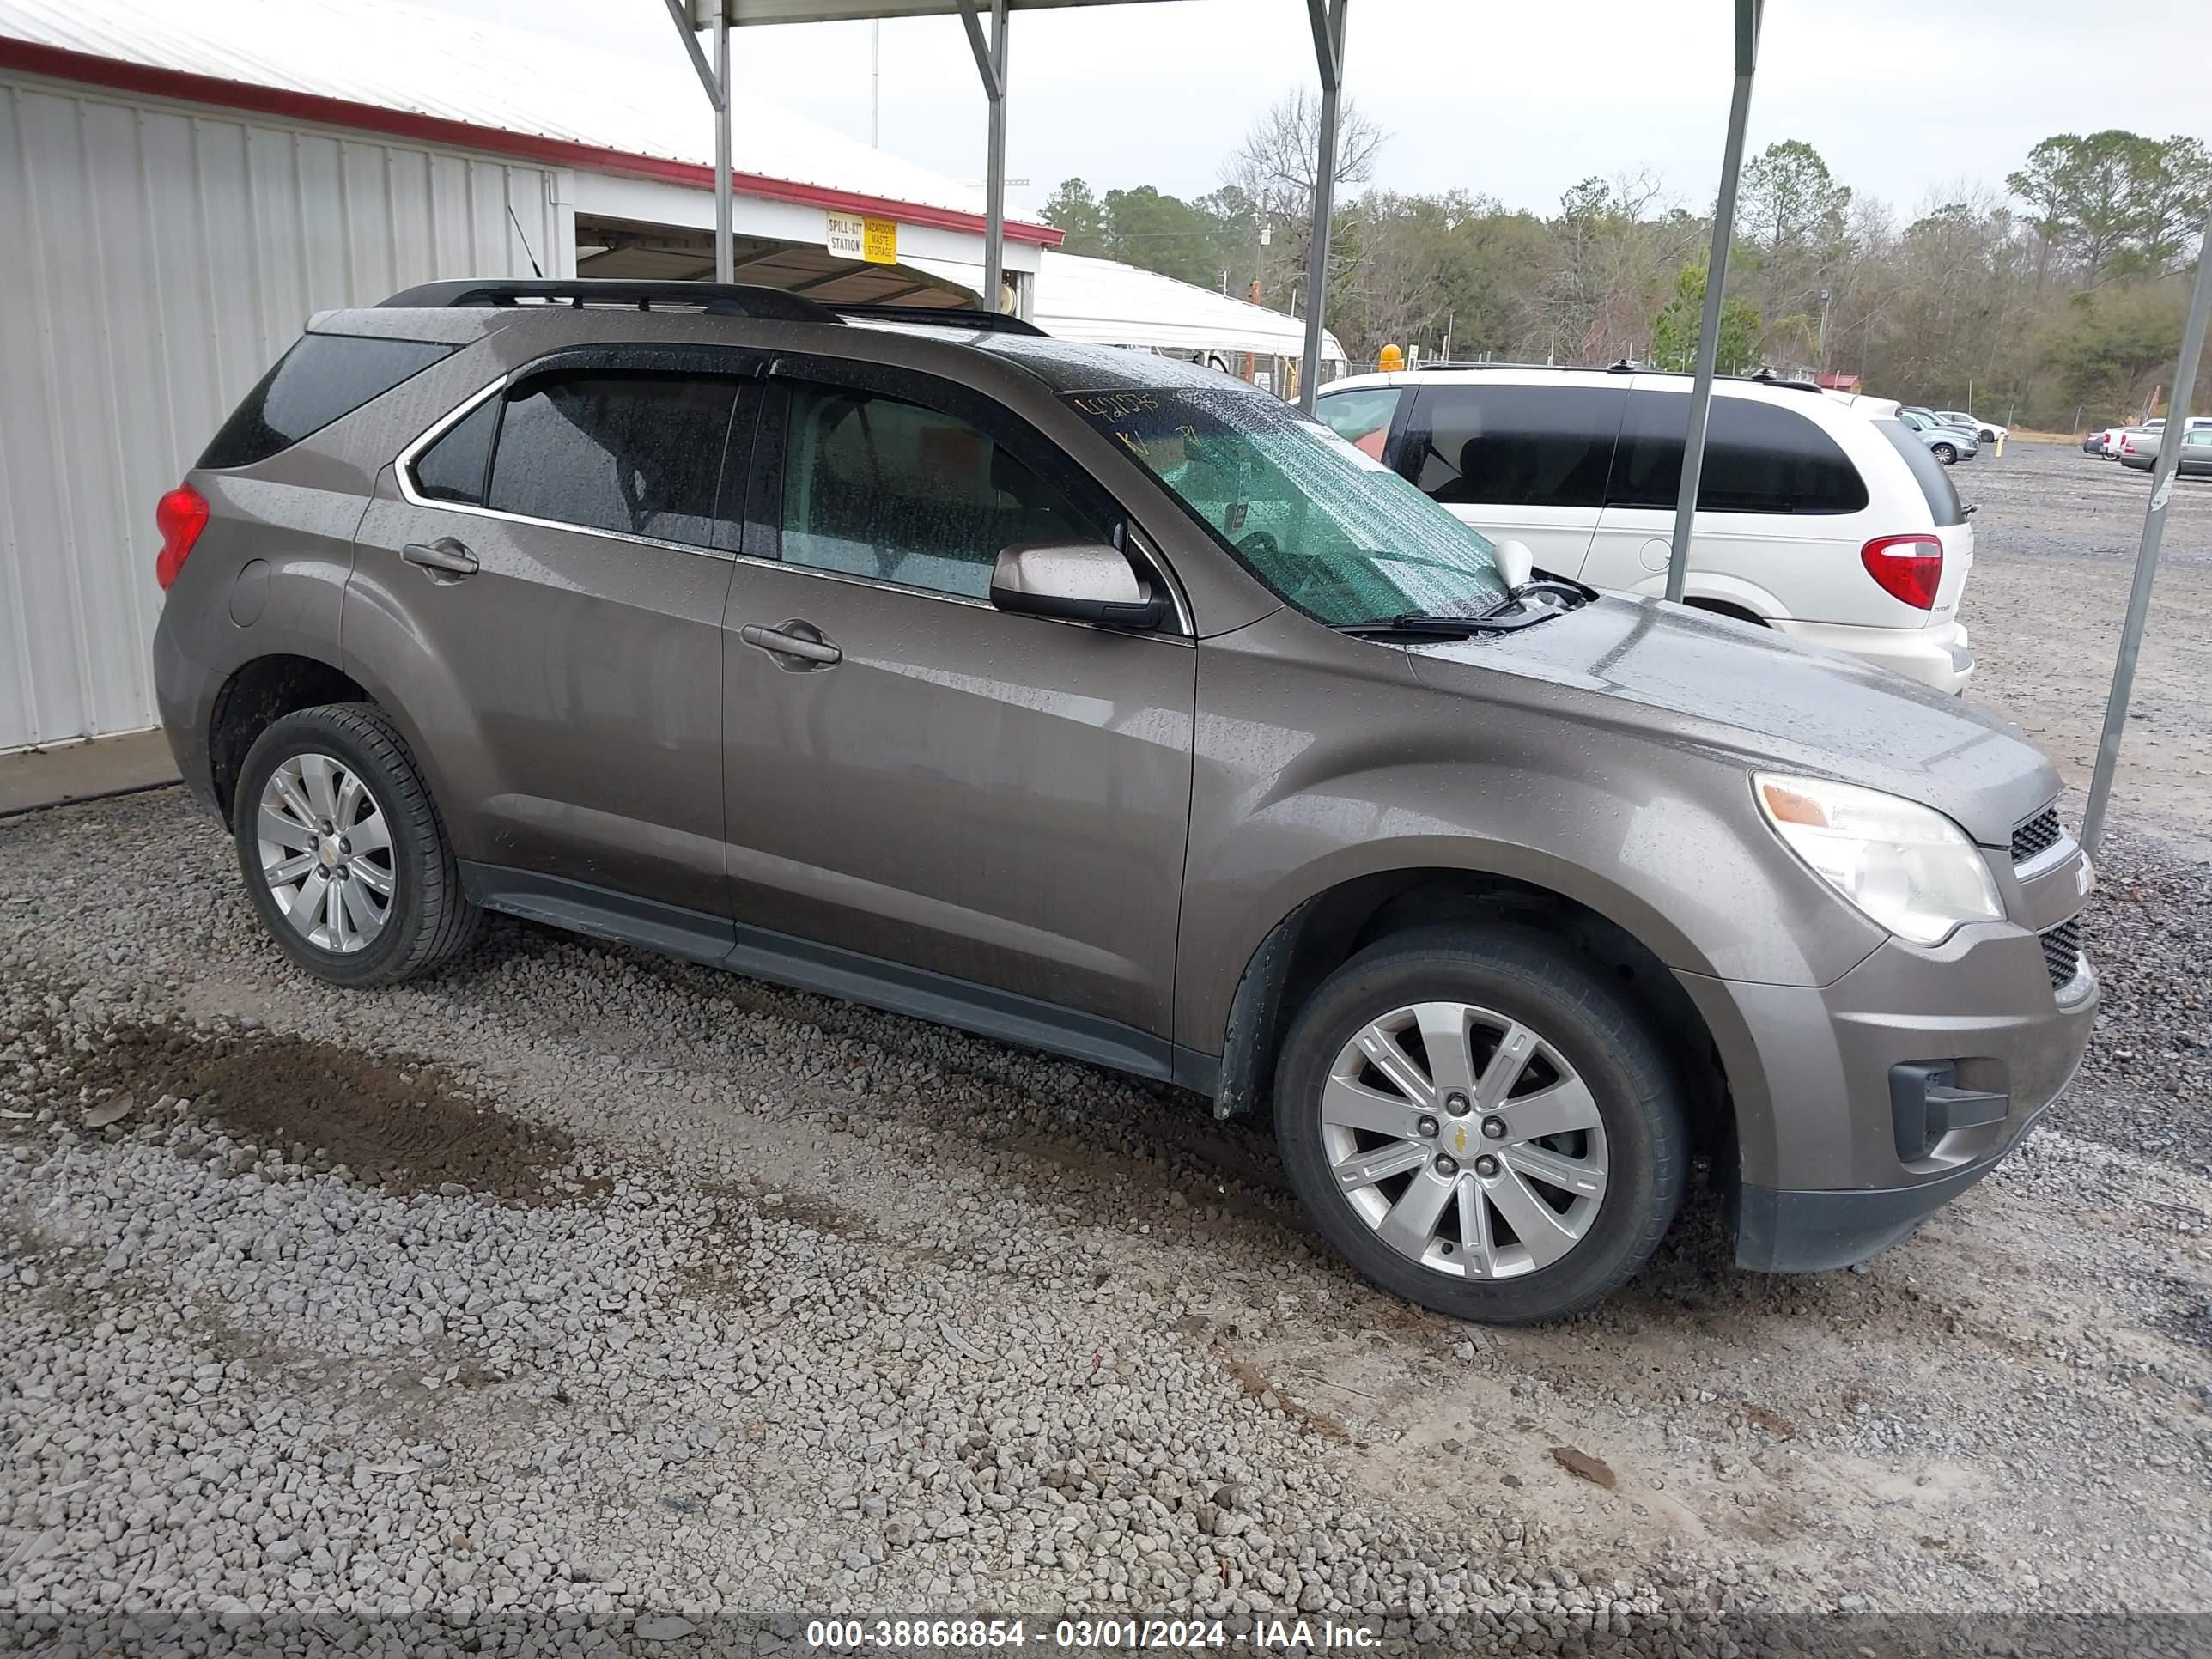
column 437, row 65
column 1103, row 302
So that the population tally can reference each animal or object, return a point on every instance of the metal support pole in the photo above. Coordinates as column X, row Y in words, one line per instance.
column 1328, row 54
column 1708, row 324
column 722, row 206
column 2162, row 474
column 715, row 78
column 991, row 64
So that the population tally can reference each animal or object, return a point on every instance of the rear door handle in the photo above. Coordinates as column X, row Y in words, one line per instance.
column 445, row 559
column 795, row 644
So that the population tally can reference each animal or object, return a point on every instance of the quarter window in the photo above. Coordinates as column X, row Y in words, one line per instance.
column 641, row 454
column 1513, row 446
column 874, row 486
column 1362, row 418
column 453, row 469
column 322, row 377
column 1759, row 458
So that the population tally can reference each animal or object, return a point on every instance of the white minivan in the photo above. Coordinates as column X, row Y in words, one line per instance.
column 1813, row 518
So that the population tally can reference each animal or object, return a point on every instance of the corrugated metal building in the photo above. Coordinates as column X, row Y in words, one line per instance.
column 186, row 184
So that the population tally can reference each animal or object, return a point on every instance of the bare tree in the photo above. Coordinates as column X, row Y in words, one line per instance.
column 1275, row 168
column 1616, row 252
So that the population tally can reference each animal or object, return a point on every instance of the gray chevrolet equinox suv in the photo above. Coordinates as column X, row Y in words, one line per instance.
column 1108, row 706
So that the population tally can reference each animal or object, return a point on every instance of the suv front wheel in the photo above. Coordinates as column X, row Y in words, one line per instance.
column 1476, row 1119
column 344, row 851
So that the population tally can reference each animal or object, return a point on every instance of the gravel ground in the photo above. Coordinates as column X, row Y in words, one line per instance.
column 2054, row 542
column 596, row 1287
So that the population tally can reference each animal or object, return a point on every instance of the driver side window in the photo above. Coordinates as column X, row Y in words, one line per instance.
column 877, row 487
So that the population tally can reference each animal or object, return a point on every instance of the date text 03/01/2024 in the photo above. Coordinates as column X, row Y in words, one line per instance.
column 1085, row 1635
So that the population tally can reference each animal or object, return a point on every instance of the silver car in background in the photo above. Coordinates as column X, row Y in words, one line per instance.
column 1947, row 444
column 2139, row 445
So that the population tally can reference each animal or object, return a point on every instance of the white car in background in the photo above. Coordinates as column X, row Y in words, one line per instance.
column 1988, row 432
column 1838, row 528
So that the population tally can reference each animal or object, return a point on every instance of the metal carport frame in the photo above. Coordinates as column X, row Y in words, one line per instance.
column 1327, row 19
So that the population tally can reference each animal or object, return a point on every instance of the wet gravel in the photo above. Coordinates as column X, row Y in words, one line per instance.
column 580, row 1299
column 748, row 1302
column 2055, row 536
column 2146, row 1082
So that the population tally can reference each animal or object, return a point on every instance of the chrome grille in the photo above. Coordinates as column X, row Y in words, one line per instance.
column 2062, row 951
column 2037, row 834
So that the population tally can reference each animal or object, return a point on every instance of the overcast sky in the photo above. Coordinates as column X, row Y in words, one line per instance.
column 1908, row 99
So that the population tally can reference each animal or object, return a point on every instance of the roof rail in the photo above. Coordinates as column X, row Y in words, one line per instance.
column 1475, row 362
column 1629, row 366
column 1780, row 382
column 716, row 299
column 988, row 322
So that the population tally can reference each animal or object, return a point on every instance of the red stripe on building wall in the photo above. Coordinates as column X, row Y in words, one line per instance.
column 151, row 81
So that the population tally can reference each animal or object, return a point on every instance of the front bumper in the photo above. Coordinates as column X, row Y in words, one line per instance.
column 1839, row 1150
column 1939, row 655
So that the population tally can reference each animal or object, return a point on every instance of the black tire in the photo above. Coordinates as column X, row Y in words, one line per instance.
column 1944, row 453
column 1572, row 1004
column 431, row 921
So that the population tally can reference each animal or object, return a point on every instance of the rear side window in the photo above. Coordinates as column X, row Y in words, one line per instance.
column 1759, row 458
column 1927, row 471
column 1512, row 445
column 641, row 454
column 322, row 377
column 1361, row 417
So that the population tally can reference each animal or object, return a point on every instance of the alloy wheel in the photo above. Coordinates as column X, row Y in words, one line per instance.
column 325, row 852
column 1464, row 1139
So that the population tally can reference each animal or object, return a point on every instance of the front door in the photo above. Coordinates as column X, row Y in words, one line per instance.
column 961, row 804
column 1518, row 462
column 551, row 570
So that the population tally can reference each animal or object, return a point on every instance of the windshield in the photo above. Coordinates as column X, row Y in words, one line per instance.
column 1330, row 529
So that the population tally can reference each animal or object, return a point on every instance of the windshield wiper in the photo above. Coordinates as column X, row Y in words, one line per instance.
column 1503, row 616
column 1421, row 624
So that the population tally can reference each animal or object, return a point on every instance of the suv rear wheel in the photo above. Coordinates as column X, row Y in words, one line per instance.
column 344, row 851
column 1477, row 1120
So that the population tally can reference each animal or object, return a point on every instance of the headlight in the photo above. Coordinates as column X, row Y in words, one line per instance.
column 1905, row 865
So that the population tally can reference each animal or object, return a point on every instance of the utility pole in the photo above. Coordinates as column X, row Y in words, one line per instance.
column 876, row 86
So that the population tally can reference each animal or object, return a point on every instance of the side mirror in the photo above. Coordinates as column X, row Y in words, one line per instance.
column 1076, row 581
column 1516, row 563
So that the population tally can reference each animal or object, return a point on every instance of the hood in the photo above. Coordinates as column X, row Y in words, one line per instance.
column 1761, row 700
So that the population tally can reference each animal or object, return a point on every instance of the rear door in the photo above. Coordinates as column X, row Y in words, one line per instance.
column 1527, row 462
column 964, row 806
column 1776, row 504
column 541, row 584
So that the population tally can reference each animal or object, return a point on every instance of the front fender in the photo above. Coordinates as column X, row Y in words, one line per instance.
column 1322, row 766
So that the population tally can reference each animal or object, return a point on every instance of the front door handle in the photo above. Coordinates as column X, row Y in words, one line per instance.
column 795, row 645
column 445, row 559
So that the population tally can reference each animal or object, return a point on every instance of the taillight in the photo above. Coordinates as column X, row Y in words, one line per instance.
column 180, row 514
column 1909, row 568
